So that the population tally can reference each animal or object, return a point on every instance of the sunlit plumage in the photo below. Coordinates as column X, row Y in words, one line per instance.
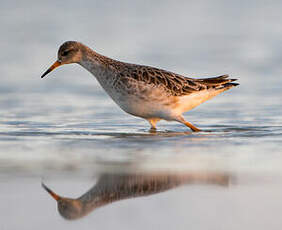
column 143, row 91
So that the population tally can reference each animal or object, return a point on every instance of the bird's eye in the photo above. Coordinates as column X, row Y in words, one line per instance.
column 65, row 53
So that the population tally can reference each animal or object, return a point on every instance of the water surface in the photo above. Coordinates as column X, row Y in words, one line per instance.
column 64, row 130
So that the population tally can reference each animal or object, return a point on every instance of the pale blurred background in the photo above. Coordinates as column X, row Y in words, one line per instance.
column 59, row 129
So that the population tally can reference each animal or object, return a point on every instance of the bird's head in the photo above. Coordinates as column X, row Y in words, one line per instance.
column 68, row 208
column 69, row 52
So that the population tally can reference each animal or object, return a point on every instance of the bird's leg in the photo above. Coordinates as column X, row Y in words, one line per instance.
column 153, row 122
column 188, row 124
column 194, row 128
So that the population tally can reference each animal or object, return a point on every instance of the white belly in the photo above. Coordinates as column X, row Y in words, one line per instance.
column 152, row 104
column 142, row 108
column 147, row 101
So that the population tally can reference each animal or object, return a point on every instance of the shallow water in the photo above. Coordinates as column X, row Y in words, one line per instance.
column 63, row 130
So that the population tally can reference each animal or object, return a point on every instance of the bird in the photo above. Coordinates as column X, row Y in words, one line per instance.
column 120, row 186
column 143, row 91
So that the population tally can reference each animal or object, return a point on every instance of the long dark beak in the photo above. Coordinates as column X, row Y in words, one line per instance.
column 54, row 66
column 54, row 195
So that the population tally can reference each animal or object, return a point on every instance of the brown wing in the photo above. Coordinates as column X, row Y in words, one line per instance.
column 175, row 84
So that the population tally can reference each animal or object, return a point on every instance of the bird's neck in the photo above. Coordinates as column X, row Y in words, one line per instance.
column 100, row 66
column 114, row 188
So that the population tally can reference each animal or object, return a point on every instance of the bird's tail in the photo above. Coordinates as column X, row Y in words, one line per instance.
column 213, row 87
column 222, row 82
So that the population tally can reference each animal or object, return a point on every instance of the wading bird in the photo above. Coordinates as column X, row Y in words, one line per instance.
column 143, row 91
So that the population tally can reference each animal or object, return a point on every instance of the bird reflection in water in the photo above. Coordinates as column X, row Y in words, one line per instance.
column 115, row 187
